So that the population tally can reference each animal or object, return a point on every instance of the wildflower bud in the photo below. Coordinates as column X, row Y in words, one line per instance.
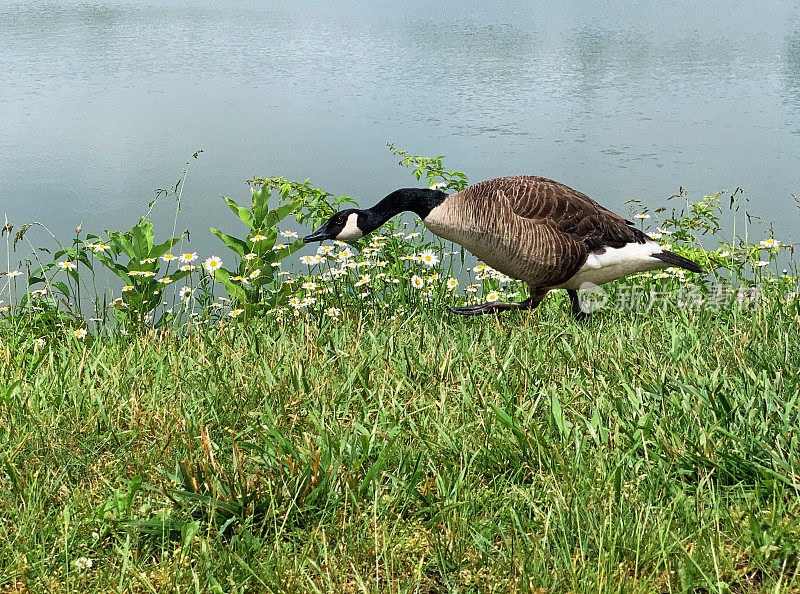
column 78, row 229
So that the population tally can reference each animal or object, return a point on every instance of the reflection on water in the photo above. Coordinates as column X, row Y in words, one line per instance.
column 100, row 103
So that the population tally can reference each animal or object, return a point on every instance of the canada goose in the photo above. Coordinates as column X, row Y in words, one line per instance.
column 530, row 228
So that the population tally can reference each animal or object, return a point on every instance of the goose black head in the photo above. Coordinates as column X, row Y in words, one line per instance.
column 352, row 223
column 344, row 226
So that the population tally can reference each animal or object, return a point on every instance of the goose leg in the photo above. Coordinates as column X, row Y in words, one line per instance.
column 576, row 306
column 496, row 307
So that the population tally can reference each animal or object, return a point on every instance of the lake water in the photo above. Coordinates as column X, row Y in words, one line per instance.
column 103, row 102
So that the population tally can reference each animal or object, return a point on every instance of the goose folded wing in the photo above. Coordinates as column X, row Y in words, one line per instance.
column 569, row 211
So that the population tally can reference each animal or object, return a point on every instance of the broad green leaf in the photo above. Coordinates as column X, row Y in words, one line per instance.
column 285, row 210
column 244, row 215
column 122, row 244
column 62, row 287
column 142, row 239
column 159, row 250
column 234, row 290
column 260, row 205
column 237, row 245
column 116, row 268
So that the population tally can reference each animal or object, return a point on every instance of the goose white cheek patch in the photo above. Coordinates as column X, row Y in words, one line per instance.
column 351, row 230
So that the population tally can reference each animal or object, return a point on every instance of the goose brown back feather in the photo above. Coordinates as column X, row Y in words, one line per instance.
column 531, row 228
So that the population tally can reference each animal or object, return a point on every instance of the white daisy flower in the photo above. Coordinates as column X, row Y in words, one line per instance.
column 761, row 263
column 255, row 274
column 291, row 234
column 417, row 282
column 250, row 256
column 82, row 563
column 362, row 280
column 14, row 273
column 169, row 257
column 79, row 333
column 147, row 261
column 493, row 296
column 99, row 247
column 67, row 265
column 235, row 313
column 724, row 254
column 333, row 312
column 641, row 216
column 185, row 293
column 127, row 288
column 212, row 264
column 309, row 260
column 278, row 247
column 188, row 258
column 428, row 258
column 165, row 281
column 309, row 286
column 324, row 250
column 187, row 267
column 452, row 283
column 258, row 237
column 771, row 243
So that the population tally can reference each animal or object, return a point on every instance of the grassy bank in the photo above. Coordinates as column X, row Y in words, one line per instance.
column 428, row 453
column 273, row 420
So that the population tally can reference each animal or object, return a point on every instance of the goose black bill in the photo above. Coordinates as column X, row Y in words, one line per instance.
column 318, row 235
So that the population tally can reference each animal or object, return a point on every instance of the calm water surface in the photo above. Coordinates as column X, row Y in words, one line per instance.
column 103, row 102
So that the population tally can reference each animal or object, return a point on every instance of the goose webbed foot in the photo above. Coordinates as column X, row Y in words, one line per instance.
column 493, row 307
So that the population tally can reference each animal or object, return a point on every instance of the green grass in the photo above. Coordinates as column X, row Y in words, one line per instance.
column 633, row 453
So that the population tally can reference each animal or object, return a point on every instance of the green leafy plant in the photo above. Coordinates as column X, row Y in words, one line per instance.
column 432, row 169
column 139, row 271
column 252, row 282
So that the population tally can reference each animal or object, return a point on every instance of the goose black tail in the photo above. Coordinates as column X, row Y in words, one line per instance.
column 678, row 261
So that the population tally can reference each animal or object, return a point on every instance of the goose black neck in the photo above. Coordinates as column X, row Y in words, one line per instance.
column 417, row 200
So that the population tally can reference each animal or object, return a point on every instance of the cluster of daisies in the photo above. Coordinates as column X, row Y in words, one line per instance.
column 337, row 273
column 386, row 261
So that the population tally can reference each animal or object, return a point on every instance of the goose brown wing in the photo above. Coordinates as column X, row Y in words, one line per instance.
column 569, row 211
